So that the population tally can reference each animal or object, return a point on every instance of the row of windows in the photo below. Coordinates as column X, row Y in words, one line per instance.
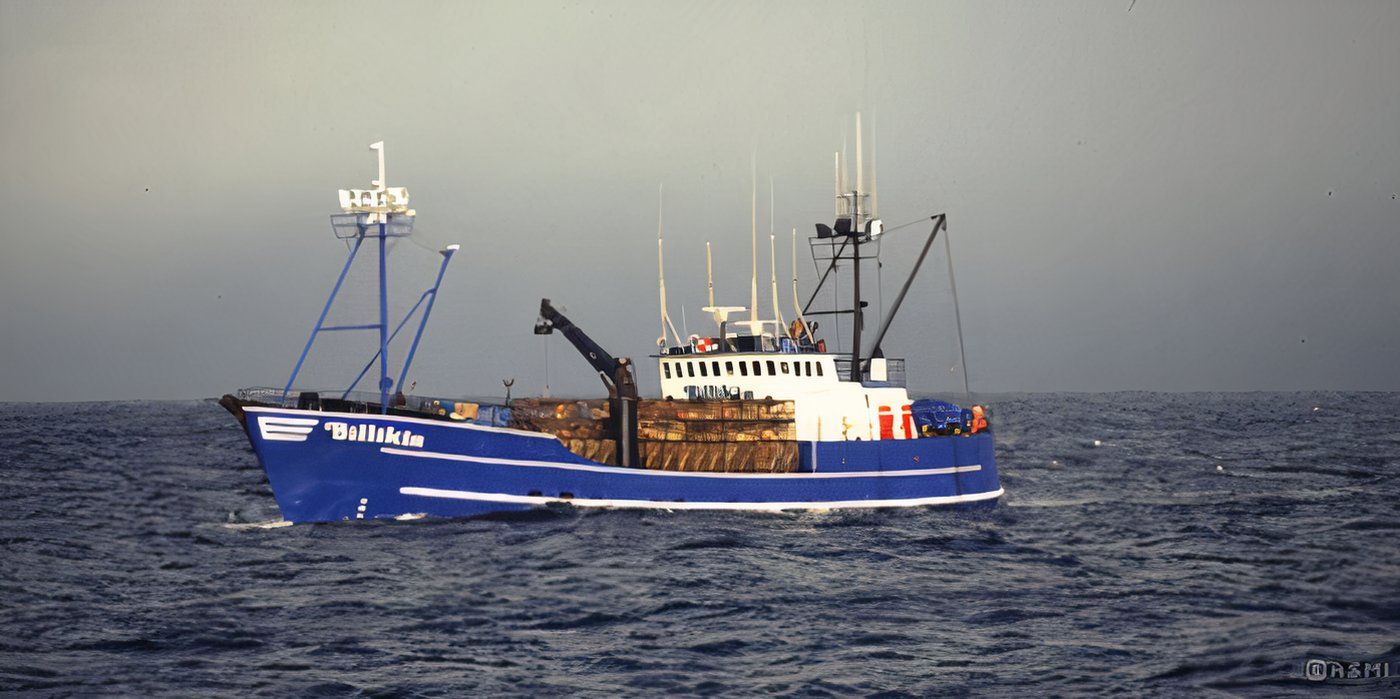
column 746, row 368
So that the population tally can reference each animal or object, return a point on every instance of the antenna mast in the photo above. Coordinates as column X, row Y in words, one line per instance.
column 384, row 380
column 661, row 271
column 836, row 180
column 381, row 212
column 874, row 193
column 860, row 162
column 773, row 260
column 857, row 318
column 710, row 275
column 845, row 164
column 797, row 303
column 753, row 247
column 773, row 277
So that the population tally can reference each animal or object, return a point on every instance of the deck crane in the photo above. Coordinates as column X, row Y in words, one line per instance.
column 616, row 374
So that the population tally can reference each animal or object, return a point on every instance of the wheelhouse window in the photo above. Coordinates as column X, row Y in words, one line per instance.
column 786, row 369
column 771, row 370
column 715, row 365
column 690, row 369
column 743, row 369
column 703, row 371
column 666, row 369
column 756, row 366
column 819, row 368
column 729, row 368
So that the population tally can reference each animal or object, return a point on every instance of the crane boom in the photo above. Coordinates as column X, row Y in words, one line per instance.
column 615, row 373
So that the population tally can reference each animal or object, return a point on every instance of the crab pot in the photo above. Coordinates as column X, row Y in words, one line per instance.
column 734, row 436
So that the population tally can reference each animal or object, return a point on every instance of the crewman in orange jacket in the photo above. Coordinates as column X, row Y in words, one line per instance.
column 979, row 419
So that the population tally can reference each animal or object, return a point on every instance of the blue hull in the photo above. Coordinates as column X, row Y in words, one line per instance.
column 326, row 466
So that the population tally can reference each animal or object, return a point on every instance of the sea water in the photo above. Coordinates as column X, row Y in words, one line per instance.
column 1149, row 543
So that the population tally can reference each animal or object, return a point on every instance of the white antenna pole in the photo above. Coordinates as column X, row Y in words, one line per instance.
column 772, row 256
column 797, row 303
column 661, row 282
column 845, row 165
column 661, row 273
column 665, row 317
column 379, row 184
column 660, row 266
column 860, row 162
column 753, row 245
column 710, row 274
column 874, row 196
column 773, row 279
column 845, row 161
column 836, row 179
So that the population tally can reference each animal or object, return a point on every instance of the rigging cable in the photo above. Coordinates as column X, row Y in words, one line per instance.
column 836, row 293
column 957, row 313
column 545, row 342
column 880, row 281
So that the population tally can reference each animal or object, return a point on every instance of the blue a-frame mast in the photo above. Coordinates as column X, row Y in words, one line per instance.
column 380, row 213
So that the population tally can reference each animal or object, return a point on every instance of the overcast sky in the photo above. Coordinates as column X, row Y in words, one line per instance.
column 1184, row 196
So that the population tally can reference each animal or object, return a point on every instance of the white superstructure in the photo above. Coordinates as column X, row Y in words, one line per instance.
column 828, row 406
column 756, row 359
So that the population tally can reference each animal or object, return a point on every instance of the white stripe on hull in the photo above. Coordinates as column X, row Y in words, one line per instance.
column 688, row 474
column 280, row 437
column 285, row 429
column 691, row 505
column 290, row 421
column 402, row 418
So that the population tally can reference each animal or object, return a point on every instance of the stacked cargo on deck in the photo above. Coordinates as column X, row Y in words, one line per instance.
column 749, row 436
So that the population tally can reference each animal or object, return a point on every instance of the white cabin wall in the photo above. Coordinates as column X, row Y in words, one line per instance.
column 893, row 397
column 826, row 408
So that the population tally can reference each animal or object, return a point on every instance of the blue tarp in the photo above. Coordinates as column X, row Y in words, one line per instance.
column 937, row 415
column 494, row 415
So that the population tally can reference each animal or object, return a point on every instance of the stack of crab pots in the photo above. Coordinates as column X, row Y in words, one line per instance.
column 748, row 436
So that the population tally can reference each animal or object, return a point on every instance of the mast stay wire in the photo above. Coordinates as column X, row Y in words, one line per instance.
column 832, row 269
column 957, row 314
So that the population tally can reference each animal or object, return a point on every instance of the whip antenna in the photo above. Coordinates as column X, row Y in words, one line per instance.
column 796, row 303
column 860, row 162
column 836, row 180
column 753, row 246
column 661, row 271
column 710, row 274
column 773, row 278
column 773, row 256
column 874, row 193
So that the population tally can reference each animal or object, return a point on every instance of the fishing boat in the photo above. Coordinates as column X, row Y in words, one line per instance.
column 758, row 415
